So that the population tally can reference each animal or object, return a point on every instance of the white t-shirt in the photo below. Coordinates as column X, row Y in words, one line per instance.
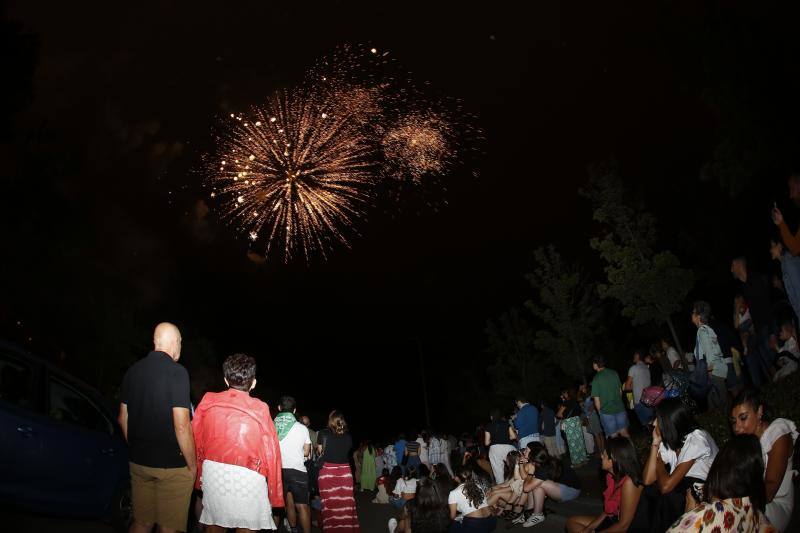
column 641, row 379
column 409, row 486
column 700, row 446
column 779, row 510
column 292, row 447
column 463, row 505
column 672, row 356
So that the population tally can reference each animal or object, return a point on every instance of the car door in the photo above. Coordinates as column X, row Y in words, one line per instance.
column 81, row 448
column 21, row 447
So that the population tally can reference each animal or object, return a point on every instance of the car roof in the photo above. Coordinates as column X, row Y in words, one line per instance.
column 76, row 382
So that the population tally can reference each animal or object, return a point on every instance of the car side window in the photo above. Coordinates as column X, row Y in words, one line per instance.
column 68, row 405
column 16, row 382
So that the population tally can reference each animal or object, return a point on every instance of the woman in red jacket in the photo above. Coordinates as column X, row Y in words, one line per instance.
column 238, row 455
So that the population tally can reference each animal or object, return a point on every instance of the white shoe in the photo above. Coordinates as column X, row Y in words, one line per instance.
column 392, row 524
column 520, row 519
column 535, row 519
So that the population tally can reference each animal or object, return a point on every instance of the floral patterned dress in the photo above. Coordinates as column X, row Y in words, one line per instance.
column 721, row 516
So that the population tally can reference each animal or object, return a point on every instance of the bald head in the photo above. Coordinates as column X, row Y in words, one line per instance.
column 167, row 339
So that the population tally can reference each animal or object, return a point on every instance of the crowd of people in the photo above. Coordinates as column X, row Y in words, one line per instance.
column 242, row 466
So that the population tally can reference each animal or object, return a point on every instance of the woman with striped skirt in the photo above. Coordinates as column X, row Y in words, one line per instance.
column 336, row 480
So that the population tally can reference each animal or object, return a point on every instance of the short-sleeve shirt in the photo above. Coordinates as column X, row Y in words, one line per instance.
column 407, row 486
column 607, row 387
column 150, row 389
column 641, row 379
column 463, row 505
column 698, row 445
column 779, row 510
column 498, row 431
column 336, row 448
column 292, row 447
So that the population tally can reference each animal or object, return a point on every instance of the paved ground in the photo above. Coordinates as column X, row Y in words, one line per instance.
column 373, row 517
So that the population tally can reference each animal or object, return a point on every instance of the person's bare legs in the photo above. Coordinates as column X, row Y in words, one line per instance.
column 304, row 515
column 538, row 499
column 138, row 527
column 600, row 444
column 291, row 514
column 576, row 524
column 624, row 433
column 216, row 529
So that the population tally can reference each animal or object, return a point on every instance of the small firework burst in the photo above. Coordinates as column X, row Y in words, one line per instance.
column 418, row 145
column 296, row 172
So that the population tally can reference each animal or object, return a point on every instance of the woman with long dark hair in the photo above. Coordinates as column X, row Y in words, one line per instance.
column 336, row 478
column 680, row 458
column 623, row 489
column 468, row 501
column 551, row 479
column 735, row 496
column 750, row 416
column 427, row 513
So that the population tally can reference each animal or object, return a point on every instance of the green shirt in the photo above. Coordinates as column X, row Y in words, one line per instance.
column 607, row 386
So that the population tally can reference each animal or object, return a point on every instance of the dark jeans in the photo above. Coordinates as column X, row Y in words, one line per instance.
column 760, row 357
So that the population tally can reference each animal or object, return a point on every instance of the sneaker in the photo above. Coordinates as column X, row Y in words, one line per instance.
column 520, row 519
column 392, row 524
column 535, row 519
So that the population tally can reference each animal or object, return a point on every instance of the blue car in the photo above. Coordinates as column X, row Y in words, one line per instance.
column 61, row 450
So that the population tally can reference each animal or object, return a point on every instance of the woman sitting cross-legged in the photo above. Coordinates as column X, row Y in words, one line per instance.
column 735, row 495
column 426, row 513
column 680, row 457
column 551, row 479
column 623, row 488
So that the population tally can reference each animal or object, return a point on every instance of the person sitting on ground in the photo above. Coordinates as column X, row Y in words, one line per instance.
column 789, row 355
column 623, row 489
column 680, row 457
column 382, row 495
column 508, row 495
column 751, row 416
column 395, row 474
column 735, row 496
column 405, row 489
column 443, row 478
column 427, row 513
column 552, row 479
column 469, row 509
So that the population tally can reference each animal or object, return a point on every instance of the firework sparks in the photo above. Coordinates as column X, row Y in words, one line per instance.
column 417, row 146
column 296, row 172
column 300, row 172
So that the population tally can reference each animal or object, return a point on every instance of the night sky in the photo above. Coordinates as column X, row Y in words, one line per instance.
column 105, row 213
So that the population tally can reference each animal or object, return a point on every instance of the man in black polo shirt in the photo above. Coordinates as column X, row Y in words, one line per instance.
column 154, row 416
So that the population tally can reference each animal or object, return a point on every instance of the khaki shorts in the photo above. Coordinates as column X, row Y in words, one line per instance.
column 161, row 495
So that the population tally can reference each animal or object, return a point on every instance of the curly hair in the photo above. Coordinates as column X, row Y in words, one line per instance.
column 471, row 490
column 240, row 371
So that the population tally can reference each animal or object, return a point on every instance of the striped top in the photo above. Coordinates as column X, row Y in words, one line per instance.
column 412, row 447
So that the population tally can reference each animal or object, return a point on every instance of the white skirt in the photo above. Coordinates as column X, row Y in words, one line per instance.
column 235, row 496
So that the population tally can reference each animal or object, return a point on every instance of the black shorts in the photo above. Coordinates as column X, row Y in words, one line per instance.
column 296, row 482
